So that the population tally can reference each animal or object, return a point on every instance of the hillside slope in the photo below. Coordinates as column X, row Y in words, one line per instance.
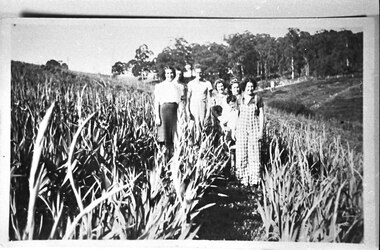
column 337, row 103
column 339, row 98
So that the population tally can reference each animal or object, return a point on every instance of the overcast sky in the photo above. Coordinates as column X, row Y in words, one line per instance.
column 94, row 45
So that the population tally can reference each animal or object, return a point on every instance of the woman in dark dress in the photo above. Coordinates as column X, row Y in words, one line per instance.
column 167, row 98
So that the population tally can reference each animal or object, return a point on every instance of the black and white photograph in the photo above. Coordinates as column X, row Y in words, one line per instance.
column 240, row 130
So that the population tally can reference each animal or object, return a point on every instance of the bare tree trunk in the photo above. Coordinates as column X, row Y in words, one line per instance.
column 347, row 61
column 292, row 67
column 266, row 70
column 258, row 68
column 307, row 72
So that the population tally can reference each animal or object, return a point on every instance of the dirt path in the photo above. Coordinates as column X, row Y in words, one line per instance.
column 234, row 217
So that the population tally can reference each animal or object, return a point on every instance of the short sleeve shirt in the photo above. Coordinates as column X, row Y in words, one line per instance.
column 168, row 92
column 199, row 89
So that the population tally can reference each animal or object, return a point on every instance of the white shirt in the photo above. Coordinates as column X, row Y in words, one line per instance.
column 199, row 89
column 167, row 92
column 229, row 118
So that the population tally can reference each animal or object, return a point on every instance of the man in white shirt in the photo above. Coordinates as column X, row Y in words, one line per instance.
column 198, row 100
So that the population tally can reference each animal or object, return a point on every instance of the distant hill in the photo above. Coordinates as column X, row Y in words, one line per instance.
column 65, row 76
column 339, row 99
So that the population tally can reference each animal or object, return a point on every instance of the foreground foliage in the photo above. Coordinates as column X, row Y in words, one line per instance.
column 83, row 164
column 311, row 190
column 312, row 185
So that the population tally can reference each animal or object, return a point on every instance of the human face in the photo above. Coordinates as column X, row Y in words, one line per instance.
column 198, row 73
column 169, row 75
column 220, row 87
column 233, row 105
column 235, row 89
column 249, row 88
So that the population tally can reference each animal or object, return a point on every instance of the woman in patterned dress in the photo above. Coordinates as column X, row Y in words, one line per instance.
column 249, row 132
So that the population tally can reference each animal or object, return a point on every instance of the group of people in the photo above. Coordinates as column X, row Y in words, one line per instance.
column 234, row 109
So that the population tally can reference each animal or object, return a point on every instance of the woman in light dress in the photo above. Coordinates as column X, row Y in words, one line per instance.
column 228, row 121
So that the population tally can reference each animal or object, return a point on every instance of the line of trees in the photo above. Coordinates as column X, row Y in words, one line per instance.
column 296, row 54
column 53, row 64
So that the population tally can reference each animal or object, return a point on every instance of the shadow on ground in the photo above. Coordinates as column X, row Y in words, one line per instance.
column 234, row 216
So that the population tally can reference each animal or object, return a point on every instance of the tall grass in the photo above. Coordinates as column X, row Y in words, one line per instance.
column 312, row 185
column 93, row 173
column 291, row 106
column 83, row 166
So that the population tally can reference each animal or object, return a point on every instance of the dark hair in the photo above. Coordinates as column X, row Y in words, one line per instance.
column 163, row 72
column 181, row 78
column 169, row 67
column 244, row 82
column 231, row 98
column 219, row 81
column 233, row 81
column 217, row 110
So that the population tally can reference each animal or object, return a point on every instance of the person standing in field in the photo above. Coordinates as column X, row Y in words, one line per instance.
column 213, row 126
column 198, row 96
column 228, row 122
column 182, row 87
column 234, row 88
column 249, row 132
column 167, row 98
column 217, row 105
column 218, row 96
column 187, row 74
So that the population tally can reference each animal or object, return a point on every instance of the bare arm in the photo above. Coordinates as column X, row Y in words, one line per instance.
column 208, row 100
column 157, row 107
column 261, row 122
column 184, row 93
column 189, row 94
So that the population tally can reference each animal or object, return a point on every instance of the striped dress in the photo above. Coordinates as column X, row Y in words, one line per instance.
column 247, row 142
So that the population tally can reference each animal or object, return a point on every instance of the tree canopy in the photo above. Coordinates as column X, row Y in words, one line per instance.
column 296, row 54
column 141, row 61
column 56, row 65
column 119, row 68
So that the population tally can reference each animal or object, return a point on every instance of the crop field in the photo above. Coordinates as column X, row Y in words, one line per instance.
column 85, row 165
column 311, row 188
